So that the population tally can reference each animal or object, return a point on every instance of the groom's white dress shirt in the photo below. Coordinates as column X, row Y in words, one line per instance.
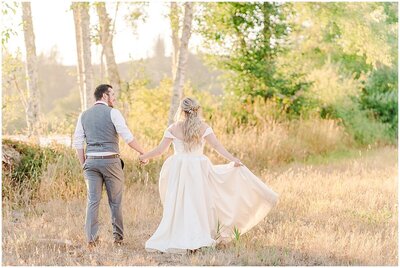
column 120, row 126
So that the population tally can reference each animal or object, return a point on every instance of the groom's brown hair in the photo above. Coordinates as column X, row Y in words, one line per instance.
column 100, row 90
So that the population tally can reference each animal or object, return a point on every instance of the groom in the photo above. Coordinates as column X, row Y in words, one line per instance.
column 99, row 127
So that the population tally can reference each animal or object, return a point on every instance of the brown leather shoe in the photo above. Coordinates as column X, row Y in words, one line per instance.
column 93, row 243
column 118, row 242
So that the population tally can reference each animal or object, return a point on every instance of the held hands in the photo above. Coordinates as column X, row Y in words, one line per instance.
column 237, row 162
column 142, row 160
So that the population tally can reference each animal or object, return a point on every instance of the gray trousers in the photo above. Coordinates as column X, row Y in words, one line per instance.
column 98, row 172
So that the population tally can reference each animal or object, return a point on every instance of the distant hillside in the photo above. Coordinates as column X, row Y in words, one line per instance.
column 59, row 87
column 156, row 68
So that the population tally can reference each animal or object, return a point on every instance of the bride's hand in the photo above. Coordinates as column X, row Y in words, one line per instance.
column 143, row 160
column 237, row 163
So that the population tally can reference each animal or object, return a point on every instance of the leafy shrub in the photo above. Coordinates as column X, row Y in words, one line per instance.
column 24, row 177
column 359, row 123
column 380, row 96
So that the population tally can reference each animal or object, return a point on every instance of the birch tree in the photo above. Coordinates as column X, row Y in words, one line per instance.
column 86, row 53
column 32, row 108
column 106, row 39
column 177, row 91
column 174, row 21
column 78, row 37
column 85, row 70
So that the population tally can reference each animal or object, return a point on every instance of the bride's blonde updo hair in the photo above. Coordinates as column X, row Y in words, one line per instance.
column 189, row 115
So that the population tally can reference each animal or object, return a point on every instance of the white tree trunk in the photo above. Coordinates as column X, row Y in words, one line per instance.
column 106, row 38
column 32, row 111
column 78, row 37
column 177, row 91
column 174, row 21
column 86, row 52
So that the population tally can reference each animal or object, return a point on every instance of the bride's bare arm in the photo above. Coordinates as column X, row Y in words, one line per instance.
column 159, row 150
column 214, row 142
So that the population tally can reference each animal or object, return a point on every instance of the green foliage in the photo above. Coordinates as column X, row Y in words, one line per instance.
column 14, row 92
column 63, row 117
column 64, row 124
column 359, row 123
column 143, row 105
column 8, row 9
column 291, row 95
column 366, row 34
column 13, row 116
column 237, row 239
column 337, row 54
column 136, row 13
column 248, row 33
column 282, row 62
column 236, row 234
column 252, row 35
column 361, row 43
column 330, row 84
column 147, row 105
column 218, row 232
column 324, row 37
column 25, row 177
column 380, row 95
column 390, row 9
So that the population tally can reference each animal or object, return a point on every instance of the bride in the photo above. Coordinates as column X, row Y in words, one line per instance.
column 203, row 203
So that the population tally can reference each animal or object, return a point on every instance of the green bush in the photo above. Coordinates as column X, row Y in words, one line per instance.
column 359, row 123
column 380, row 96
column 24, row 177
column 292, row 95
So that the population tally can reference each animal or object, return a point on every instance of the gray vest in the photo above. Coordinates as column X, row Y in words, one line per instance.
column 100, row 132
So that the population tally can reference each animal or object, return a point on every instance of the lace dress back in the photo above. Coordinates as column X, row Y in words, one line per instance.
column 179, row 147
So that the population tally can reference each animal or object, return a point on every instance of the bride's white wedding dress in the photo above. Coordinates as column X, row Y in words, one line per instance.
column 203, row 203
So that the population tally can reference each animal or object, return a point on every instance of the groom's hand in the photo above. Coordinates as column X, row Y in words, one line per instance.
column 143, row 161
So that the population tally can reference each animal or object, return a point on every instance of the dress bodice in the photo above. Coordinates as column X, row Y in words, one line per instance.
column 179, row 147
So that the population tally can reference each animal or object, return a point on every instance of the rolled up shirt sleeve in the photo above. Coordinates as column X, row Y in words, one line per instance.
column 79, row 135
column 120, row 125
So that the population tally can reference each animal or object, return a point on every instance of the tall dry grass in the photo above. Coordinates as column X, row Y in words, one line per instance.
column 341, row 213
column 275, row 142
column 259, row 147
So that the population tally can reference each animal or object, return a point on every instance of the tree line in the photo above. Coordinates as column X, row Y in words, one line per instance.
column 336, row 60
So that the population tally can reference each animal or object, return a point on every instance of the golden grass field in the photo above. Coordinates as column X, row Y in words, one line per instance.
column 341, row 212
